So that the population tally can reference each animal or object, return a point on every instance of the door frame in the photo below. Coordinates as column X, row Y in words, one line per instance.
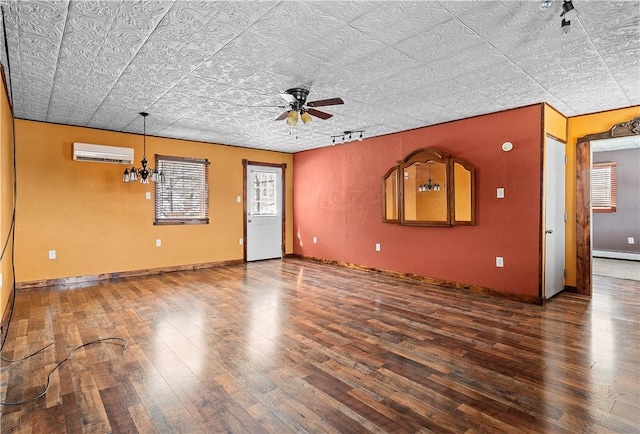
column 583, row 199
column 283, row 166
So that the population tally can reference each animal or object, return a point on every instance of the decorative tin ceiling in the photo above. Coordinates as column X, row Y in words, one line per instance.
column 200, row 68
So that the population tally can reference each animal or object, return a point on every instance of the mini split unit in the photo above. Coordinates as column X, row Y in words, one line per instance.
column 102, row 154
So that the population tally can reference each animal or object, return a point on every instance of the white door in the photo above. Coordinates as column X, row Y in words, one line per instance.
column 554, row 170
column 264, row 212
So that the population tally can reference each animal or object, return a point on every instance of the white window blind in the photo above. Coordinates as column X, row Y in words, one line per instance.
column 603, row 187
column 183, row 195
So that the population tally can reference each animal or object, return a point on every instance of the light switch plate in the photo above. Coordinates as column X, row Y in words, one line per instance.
column 500, row 193
column 499, row 261
column 52, row 254
column 158, row 243
column 315, row 240
column 377, row 247
column 238, row 199
column 147, row 195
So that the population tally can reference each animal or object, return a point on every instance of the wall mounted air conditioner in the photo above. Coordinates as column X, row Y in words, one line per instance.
column 102, row 154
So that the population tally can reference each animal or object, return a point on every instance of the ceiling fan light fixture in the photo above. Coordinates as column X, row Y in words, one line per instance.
column 568, row 11
column 546, row 4
column 305, row 117
column 292, row 119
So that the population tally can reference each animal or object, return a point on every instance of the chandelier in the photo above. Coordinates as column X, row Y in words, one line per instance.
column 429, row 186
column 144, row 173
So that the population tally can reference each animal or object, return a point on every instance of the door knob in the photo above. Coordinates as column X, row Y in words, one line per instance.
column 548, row 231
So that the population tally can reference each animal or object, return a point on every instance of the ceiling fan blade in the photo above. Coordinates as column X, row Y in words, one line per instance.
column 282, row 116
column 325, row 102
column 319, row 114
column 288, row 98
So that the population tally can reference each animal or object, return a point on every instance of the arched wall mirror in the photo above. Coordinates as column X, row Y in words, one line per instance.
column 429, row 188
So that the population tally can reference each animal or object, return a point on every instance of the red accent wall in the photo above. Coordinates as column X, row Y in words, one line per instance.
column 338, row 199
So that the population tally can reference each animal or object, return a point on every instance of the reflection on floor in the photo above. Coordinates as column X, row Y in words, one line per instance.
column 296, row 346
column 618, row 268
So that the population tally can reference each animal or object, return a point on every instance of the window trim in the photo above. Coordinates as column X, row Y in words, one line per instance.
column 183, row 221
column 612, row 187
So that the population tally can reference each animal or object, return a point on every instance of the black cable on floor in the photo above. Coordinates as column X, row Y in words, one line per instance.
column 120, row 342
column 12, row 229
column 27, row 357
column 11, row 235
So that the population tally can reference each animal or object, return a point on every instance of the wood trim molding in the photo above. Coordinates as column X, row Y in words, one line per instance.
column 283, row 166
column 8, row 311
column 123, row 274
column 447, row 284
column 583, row 198
column 583, row 218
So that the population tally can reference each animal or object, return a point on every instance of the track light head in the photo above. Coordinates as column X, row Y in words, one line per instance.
column 568, row 11
column 565, row 26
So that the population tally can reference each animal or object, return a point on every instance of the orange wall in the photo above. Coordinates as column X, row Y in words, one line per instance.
column 337, row 199
column 555, row 123
column 578, row 127
column 6, row 198
column 97, row 224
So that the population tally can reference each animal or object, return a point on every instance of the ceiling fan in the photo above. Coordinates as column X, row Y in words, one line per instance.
column 297, row 99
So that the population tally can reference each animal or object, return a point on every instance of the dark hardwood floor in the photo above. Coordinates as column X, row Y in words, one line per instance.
column 295, row 346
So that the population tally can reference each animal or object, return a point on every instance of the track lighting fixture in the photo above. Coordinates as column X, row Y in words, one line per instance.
column 568, row 11
column 131, row 175
column 565, row 26
column 348, row 136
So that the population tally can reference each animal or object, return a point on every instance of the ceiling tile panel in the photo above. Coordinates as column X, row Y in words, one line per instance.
column 441, row 41
column 181, row 23
column 238, row 13
column 206, row 69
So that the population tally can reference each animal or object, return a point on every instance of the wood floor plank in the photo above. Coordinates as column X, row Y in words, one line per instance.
column 296, row 346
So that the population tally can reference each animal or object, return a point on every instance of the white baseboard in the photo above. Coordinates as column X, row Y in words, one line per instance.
column 616, row 255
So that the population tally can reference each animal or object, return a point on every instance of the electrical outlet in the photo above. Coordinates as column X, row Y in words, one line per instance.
column 238, row 199
column 377, row 247
column 630, row 240
column 52, row 254
column 499, row 261
column 315, row 240
column 241, row 241
column 158, row 243
column 500, row 193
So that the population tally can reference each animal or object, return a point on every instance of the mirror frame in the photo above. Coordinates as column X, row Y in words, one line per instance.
column 472, row 192
column 384, row 195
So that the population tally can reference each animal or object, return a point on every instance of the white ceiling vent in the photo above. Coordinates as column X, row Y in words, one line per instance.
column 102, row 154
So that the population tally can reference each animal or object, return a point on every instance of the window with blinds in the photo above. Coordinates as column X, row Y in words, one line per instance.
column 182, row 196
column 603, row 187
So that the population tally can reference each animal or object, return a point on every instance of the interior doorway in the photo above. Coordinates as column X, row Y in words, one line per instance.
column 583, row 200
column 555, row 217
